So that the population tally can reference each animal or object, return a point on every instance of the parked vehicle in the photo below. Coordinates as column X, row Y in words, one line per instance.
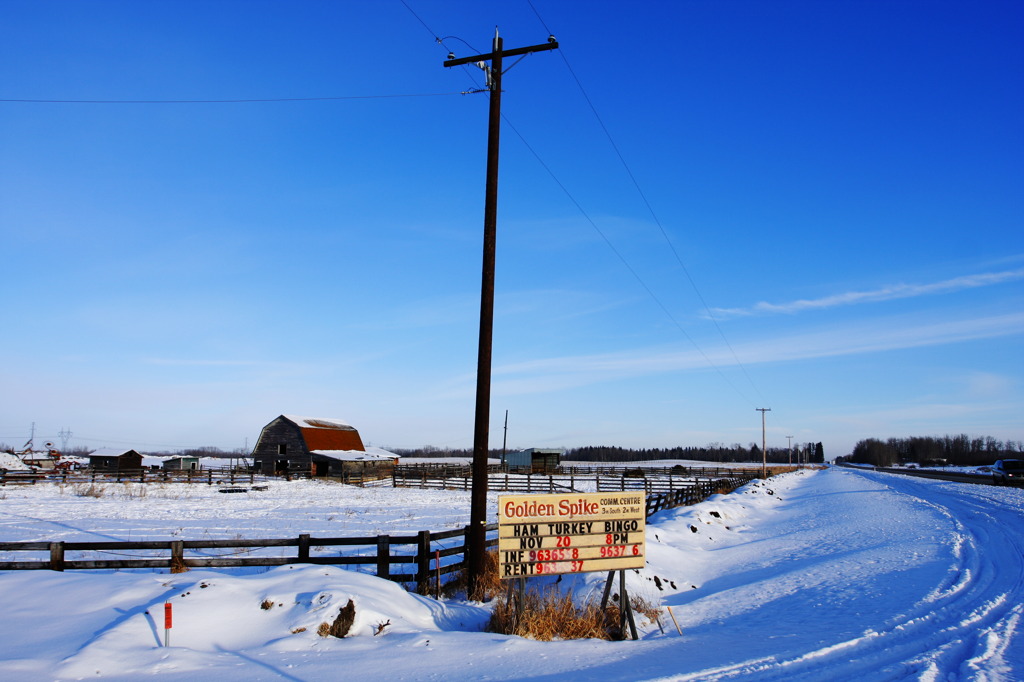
column 1008, row 471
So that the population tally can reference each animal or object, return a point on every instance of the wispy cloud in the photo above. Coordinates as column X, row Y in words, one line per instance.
column 888, row 293
column 551, row 374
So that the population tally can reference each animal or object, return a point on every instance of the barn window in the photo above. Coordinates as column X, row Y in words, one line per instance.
column 282, row 449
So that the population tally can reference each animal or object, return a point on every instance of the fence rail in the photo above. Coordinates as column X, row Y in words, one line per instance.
column 223, row 476
column 429, row 556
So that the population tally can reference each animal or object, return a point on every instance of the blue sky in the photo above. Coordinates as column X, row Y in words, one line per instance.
column 821, row 212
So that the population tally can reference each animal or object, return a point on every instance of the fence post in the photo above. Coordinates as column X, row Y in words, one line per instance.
column 384, row 556
column 177, row 556
column 422, row 558
column 303, row 547
column 56, row 556
column 209, row 477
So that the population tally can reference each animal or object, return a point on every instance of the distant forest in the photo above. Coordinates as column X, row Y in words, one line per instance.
column 806, row 452
column 961, row 450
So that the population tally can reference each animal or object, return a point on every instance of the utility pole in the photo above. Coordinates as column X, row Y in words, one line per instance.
column 476, row 537
column 65, row 435
column 764, row 451
column 504, row 442
column 790, row 450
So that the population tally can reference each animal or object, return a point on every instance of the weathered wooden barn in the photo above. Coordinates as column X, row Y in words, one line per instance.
column 317, row 447
column 112, row 459
column 533, row 461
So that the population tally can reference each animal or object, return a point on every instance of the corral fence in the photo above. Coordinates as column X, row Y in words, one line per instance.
column 211, row 476
column 652, row 482
column 425, row 557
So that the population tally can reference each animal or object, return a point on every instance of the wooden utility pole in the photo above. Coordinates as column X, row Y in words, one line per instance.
column 504, row 442
column 477, row 537
column 764, row 451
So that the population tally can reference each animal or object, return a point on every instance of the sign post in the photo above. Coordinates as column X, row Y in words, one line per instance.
column 167, row 624
column 573, row 533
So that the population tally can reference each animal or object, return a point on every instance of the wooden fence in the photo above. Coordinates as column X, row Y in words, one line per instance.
column 557, row 483
column 197, row 476
column 73, row 476
column 428, row 556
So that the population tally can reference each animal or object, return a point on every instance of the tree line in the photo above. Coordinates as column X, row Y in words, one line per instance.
column 714, row 452
column 958, row 450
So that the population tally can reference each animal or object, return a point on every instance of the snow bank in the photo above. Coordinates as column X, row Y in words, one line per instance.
column 12, row 462
column 834, row 574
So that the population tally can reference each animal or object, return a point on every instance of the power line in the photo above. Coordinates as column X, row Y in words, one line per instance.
column 622, row 258
column 647, row 203
column 593, row 224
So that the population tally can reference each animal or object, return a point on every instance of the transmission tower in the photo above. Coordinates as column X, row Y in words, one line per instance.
column 65, row 435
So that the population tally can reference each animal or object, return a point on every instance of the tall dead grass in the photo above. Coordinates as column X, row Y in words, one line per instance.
column 553, row 615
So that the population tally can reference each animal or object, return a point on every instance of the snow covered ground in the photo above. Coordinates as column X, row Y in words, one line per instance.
column 816, row 575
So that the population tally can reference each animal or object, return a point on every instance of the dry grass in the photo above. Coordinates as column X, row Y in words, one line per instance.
column 489, row 585
column 554, row 615
column 645, row 608
column 134, row 491
column 89, row 490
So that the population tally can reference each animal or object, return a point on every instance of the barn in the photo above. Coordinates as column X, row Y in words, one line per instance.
column 317, row 447
column 112, row 459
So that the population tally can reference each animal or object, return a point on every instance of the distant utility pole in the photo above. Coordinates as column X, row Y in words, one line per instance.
column 790, row 449
column 65, row 435
column 504, row 441
column 476, row 538
column 764, row 451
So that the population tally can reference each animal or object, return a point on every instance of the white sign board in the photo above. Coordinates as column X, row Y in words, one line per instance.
column 570, row 533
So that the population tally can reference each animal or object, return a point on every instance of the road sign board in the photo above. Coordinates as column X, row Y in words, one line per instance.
column 570, row 533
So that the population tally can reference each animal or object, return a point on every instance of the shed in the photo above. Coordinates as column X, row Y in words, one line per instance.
column 112, row 459
column 534, row 460
column 316, row 447
column 183, row 463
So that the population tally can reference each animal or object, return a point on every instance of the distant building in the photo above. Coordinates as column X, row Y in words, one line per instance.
column 534, row 460
column 113, row 459
column 317, row 447
column 181, row 464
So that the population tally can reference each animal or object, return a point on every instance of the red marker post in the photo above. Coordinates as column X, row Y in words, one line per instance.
column 167, row 624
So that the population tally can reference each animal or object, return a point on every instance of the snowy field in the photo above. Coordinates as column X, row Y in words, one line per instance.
column 816, row 575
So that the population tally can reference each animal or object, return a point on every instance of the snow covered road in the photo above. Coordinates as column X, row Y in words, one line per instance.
column 875, row 576
column 828, row 575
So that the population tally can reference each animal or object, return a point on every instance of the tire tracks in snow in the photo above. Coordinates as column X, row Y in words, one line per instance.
column 959, row 630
